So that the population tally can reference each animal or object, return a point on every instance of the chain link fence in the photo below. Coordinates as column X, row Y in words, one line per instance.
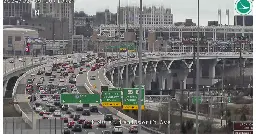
column 13, row 125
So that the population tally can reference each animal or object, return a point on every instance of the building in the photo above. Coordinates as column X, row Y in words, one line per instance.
column 105, row 17
column 53, row 9
column 16, row 9
column 78, row 43
column 55, row 47
column 151, row 15
column 54, row 28
column 248, row 20
column 213, row 23
column 14, row 39
column 188, row 22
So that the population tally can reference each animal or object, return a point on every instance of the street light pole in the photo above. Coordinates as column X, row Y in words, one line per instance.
column 119, row 38
column 197, row 69
column 140, row 68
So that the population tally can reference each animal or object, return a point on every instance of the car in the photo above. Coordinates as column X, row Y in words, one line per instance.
column 79, row 108
column 76, row 117
column 64, row 107
column 65, row 74
column 62, row 80
column 21, row 59
column 77, row 128
column 41, row 113
column 94, row 109
column 58, row 70
column 86, row 112
column 133, row 129
column 65, row 119
column 105, row 132
column 11, row 61
column 117, row 130
column 66, row 131
column 81, row 72
column 73, row 75
column 45, row 116
column 57, row 113
column 92, row 78
column 87, row 124
column 38, row 109
column 108, row 117
column 93, row 68
column 80, row 121
column 72, row 80
column 40, row 72
column 116, row 122
column 51, row 79
column 102, row 124
column 52, row 109
column 71, row 124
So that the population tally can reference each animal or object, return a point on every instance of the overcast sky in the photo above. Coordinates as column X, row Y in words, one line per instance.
column 181, row 9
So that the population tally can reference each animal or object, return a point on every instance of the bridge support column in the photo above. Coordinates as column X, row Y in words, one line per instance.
column 169, row 81
column 148, row 81
column 182, row 77
column 121, row 72
column 145, row 67
column 134, row 69
column 161, row 78
column 212, row 65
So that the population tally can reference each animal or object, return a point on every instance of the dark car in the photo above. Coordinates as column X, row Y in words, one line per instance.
column 86, row 105
column 87, row 124
column 116, row 122
column 86, row 112
column 105, row 132
column 52, row 109
column 94, row 109
column 79, row 108
column 133, row 129
column 64, row 108
column 56, row 103
column 77, row 128
column 66, row 131
column 108, row 117
column 76, row 117
column 102, row 124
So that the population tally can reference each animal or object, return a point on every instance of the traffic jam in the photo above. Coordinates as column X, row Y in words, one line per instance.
column 44, row 89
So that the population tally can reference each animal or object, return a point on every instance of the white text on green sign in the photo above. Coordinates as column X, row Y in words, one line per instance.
column 111, row 96
column 131, row 95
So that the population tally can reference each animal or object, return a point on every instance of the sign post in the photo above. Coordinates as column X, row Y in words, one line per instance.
column 79, row 98
column 111, row 98
column 130, row 98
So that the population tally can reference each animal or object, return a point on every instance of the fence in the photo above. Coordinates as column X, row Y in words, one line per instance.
column 15, row 125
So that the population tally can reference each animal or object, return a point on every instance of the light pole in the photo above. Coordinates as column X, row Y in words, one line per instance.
column 197, row 69
column 140, row 69
column 119, row 39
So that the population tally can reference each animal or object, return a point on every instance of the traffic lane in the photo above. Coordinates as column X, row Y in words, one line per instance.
column 95, row 82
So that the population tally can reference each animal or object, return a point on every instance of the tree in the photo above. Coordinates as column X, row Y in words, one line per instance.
column 183, row 128
column 243, row 117
column 189, row 124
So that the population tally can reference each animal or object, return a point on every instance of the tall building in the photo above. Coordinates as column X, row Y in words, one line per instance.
column 55, row 10
column 105, row 17
column 17, row 9
column 151, row 15
column 248, row 20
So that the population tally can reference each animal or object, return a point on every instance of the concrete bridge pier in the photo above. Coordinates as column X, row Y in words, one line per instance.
column 112, row 75
column 182, row 77
column 169, row 80
column 161, row 79
column 212, row 65
column 121, row 72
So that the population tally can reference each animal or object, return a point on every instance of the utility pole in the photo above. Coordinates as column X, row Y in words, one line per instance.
column 127, row 54
column 197, row 68
column 53, row 32
column 222, row 88
column 181, row 102
column 169, row 115
column 119, row 39
column 140, row 68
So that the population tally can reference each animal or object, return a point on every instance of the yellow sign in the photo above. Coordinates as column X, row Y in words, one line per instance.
column 132, row 107
column 111, row 104
column 131, row 50
column 94, row 86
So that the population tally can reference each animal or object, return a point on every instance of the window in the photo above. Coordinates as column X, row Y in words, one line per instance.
column 17, row 38
column 9, row 40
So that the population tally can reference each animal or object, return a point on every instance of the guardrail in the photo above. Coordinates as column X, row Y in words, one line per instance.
column 120, row 114
column 16, row 106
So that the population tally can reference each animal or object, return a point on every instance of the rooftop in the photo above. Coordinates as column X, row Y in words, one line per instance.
column 19, row 29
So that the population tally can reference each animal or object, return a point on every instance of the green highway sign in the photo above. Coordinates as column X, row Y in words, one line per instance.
column 80, row 98
column 111, row 96
column 114, row 89
column 137, row 86
column 104, row 88
column 130, row 98
column 196, row 99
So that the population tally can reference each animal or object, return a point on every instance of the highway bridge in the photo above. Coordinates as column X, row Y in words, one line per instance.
column 102, row 80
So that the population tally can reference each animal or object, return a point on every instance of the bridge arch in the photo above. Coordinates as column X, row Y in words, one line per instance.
column 10, row 84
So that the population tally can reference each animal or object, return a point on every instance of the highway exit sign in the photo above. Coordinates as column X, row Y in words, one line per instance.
column 196, row 99
column 114, row 89
column 130, row 98
column 79, row 98
column 111, row 98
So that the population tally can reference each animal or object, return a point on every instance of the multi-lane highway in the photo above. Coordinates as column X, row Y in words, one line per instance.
column 82, row 82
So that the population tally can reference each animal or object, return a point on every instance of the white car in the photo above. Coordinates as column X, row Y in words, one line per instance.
column 57, row 113
column 45, row 99
column 117, row 129
column 38, row 109
column 62, row 80
column 20, row 59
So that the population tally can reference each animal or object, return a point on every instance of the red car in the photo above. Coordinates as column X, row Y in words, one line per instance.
column 80, row 121
column 45, row 116
column 71, row 70
column 93, row 68
column 71, row 124
column 41, row 113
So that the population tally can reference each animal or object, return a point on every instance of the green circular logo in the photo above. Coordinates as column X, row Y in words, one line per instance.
column 243, row 7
